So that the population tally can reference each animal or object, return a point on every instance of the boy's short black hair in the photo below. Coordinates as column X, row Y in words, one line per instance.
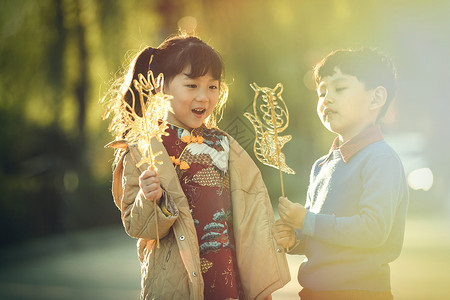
column 368, row 65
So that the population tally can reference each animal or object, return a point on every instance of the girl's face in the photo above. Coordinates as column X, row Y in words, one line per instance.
column 193, row 99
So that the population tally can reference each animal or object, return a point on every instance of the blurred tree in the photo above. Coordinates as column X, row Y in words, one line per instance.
column 58, row 57
column 42, row 154
column 82, row 81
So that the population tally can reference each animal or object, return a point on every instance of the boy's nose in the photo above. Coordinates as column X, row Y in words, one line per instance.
column 327, row 99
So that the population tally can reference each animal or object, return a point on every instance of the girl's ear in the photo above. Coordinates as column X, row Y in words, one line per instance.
column 379, row 97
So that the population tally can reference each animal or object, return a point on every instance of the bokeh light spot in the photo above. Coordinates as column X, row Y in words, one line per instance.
column 420, row 179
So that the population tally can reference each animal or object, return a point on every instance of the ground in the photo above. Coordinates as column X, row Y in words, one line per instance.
column 102, row 264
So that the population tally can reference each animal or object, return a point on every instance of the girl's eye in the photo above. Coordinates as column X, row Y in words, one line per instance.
column 340, row 89
column 213, row 87
column 192, row 86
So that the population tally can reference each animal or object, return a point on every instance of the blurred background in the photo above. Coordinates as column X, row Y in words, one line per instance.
column 61, row 234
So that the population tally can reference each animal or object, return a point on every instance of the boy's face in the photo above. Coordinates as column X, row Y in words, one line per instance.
column 344, row 105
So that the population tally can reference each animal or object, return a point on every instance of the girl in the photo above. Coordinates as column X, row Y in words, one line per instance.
column 214, row 214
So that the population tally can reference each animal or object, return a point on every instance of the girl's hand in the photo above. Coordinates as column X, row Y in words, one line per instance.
column 150, row 185
column 284, row 235
column 292, row 214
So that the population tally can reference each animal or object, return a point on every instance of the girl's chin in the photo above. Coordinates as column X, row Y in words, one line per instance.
column 189, row 123
column 196, row 124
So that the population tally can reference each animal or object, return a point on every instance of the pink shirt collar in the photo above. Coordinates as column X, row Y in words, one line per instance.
column 354, row 145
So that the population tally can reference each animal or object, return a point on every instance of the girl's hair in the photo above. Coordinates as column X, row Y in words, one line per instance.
column 170, row 59
column 368, row 65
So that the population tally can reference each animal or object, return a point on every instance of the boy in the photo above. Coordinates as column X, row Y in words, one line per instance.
column 352, row 225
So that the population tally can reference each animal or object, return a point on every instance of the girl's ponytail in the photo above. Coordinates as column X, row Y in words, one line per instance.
column 141, row 66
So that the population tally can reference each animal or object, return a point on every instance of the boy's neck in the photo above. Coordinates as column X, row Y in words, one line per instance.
column 348, row 136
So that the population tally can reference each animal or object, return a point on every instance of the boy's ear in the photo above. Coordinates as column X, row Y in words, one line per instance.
column 379, row 97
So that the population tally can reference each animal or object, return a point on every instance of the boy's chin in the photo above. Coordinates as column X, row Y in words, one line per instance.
column 333, row 130
column 328, row 126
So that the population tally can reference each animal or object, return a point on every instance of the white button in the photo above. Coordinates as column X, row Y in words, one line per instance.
column 279, row 250
column 182, row 238
column 194, row 274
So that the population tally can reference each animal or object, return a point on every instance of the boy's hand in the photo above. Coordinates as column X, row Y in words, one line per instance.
column 150, row 185
column 284, row 235
column 292, row 214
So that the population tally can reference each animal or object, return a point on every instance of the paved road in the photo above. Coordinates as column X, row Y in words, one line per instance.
column 102, row 264
column 95, row 264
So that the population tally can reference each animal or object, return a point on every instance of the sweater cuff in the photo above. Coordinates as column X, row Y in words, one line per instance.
column 309, row 223
column 166, row 204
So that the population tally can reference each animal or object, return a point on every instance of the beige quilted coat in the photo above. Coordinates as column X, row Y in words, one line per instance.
column 173, row 271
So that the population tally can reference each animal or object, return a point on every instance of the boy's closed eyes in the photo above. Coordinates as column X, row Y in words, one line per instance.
column 337, row 85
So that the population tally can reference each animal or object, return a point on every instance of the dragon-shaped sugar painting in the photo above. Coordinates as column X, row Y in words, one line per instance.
column 269, row 119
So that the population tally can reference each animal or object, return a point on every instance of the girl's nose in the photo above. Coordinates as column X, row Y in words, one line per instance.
column 201, row 95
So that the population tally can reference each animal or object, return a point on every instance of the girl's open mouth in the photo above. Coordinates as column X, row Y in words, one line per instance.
column 199, row 111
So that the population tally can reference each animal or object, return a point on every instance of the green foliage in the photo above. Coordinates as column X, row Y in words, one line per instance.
column 58, row 57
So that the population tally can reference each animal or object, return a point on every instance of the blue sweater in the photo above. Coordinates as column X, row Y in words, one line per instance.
column 355, row 222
